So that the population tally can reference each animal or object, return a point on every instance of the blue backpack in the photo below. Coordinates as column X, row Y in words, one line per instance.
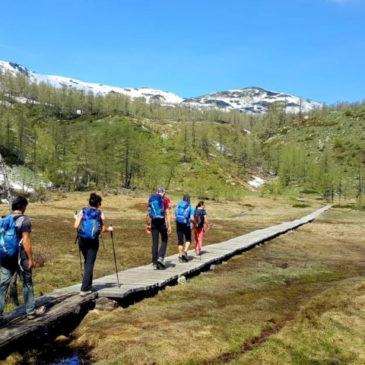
column 155, row 207
column 9, row 240
column 90, row 224
column 182, row 212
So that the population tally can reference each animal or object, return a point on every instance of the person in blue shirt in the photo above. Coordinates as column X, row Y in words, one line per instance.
column 21, row 262
column 184, row 214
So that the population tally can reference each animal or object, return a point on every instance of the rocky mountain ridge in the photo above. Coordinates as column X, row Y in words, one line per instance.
column 251, row 100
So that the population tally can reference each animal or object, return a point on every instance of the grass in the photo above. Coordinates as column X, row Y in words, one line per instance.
column 297, row 300
column 53, row 235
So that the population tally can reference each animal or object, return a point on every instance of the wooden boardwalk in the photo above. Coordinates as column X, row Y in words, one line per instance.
column 66, row 308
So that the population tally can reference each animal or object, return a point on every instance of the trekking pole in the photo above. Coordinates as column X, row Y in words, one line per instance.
column 115, row 258
column 76, row 242
column 102, row 242
column 81, row 270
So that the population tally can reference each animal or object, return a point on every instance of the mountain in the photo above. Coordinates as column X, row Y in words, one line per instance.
column 252, row 100
column 151, row 95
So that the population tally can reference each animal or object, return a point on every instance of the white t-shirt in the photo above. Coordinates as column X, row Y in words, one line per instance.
column 102, row 216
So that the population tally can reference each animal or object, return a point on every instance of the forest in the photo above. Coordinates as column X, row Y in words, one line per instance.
column 77, row 141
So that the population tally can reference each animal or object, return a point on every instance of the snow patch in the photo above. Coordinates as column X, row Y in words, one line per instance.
column 23, row 180
column 250, row 100
column 17, row 186
column 149, row 94
column 256, row 182
column 219, row 147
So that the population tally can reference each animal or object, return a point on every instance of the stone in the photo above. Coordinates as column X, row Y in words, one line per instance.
column 181, row 280
column 106, row 304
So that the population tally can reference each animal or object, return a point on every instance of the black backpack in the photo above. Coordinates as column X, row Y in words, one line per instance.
column 199, row 218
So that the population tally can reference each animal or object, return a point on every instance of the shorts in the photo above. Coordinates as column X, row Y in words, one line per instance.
column 183, row 231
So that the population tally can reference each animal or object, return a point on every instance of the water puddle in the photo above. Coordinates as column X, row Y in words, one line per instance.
column 73, row 360
column 57, row 354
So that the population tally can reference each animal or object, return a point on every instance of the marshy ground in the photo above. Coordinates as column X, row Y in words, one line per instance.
column 299, row 299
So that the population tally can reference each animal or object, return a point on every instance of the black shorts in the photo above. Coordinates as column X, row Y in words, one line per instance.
column 183, row 231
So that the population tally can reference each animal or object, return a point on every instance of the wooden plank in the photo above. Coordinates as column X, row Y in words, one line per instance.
column 61, row 318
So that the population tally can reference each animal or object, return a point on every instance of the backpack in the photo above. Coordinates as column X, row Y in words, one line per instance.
column 182, row 212
column 155, row 207
column 199, row 218
column 9, row 240
column 90, row 224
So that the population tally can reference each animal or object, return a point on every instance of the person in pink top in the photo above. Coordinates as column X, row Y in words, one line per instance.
column 200, row 226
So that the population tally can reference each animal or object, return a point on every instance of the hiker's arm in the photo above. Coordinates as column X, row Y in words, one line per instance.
column 78, row 218
column 148, row 219
column 104, row 227
column 192, row 219
column 168, row 219
column 27, row 248
column 206, row 223
column 148, row 223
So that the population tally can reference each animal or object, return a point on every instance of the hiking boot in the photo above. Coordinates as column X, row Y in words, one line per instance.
column 160, row 264
column 85, row 293
column 181, row 260
column 185, row 257
column 154, row 266
column 36, row 313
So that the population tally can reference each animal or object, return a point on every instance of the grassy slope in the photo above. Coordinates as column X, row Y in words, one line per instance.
column 297, row 300
column 341, row 132
column 157, row 147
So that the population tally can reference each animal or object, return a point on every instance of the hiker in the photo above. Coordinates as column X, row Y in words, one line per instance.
column 184, row 214
column 158, row 221
column 200, row 226
column 89, row 223
column 16, row 256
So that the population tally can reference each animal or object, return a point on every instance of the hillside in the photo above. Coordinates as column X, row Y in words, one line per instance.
column 81, row 141
column 324, row 150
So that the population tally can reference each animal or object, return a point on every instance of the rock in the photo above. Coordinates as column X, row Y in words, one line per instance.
column 62, row 339
column 181, row 280
column 106, row 304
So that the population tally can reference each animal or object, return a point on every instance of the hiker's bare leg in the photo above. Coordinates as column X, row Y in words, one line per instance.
column 186, row 246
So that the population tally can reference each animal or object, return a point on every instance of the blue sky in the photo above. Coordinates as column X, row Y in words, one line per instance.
column 311, row 48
